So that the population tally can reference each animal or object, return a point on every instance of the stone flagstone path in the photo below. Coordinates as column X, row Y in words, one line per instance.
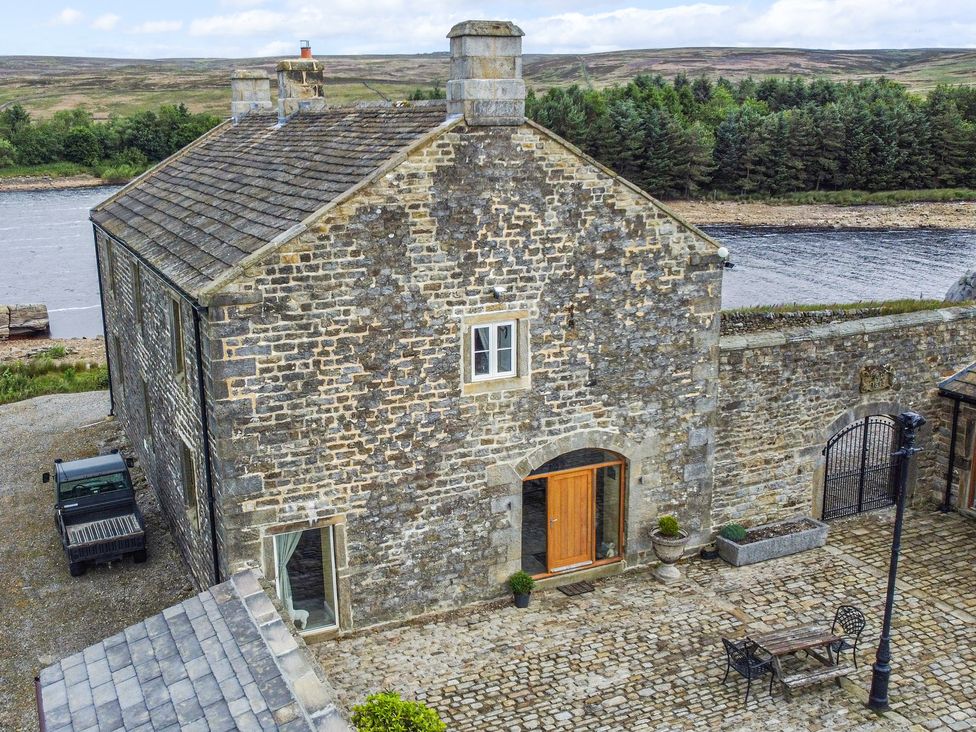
column 634, row 655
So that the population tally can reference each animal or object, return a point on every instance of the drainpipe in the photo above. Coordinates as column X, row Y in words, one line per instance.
column 204, row 421
column 101, row 300
column 205, row 432
column 946, row 506
column 41, row 723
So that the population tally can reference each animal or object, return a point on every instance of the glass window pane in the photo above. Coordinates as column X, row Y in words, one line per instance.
column 534, row 525
column 608, row 512
column 505, row 360
column 481, row 339
column 481, row 364
column 306, row 577
column 576, row 459
column 504, row 336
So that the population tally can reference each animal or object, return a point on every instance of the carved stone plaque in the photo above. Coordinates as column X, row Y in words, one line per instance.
column 876, row 378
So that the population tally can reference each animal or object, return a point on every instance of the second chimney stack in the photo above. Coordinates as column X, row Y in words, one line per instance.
column 486, row 73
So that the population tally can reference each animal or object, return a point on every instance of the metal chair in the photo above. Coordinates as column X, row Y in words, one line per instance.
column 852, row 621
column 742, row 656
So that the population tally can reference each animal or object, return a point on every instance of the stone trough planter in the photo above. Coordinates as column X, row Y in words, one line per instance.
column 811, row 535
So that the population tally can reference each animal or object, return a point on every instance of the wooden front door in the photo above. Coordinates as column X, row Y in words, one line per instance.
column 571, row 526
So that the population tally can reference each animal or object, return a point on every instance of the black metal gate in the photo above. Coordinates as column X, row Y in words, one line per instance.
column 861, row 472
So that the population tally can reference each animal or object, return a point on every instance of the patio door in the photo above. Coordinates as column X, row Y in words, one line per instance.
column 571, row 525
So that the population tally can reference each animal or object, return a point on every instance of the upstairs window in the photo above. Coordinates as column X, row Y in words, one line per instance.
column 176, row 336
column 493, row 350
column 137, row 293
column 110, row 268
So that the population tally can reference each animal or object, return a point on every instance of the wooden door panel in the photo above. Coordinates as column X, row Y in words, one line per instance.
column 571, row 527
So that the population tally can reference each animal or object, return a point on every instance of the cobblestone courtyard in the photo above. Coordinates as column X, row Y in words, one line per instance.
column 634, row 655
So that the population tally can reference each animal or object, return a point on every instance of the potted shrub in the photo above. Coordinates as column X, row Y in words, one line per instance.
column 521, row 584
column 669, row 543
column 387, row 712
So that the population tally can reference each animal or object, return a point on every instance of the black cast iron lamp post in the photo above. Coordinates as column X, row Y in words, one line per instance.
column 910, row 424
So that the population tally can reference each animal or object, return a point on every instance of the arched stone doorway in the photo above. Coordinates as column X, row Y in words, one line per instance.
column 573, row 510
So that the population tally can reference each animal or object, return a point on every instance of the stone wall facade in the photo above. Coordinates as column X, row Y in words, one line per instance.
column 783, row 394
column 337, row 376
column 141, row 352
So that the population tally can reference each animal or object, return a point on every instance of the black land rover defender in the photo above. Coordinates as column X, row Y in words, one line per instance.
column 96, row 512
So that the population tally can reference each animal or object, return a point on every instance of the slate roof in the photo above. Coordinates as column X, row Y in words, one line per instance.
column 961, row 385
column 237, row 189
column 222, row 660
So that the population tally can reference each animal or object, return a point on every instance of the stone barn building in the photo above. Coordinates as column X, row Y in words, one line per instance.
column 391, row 354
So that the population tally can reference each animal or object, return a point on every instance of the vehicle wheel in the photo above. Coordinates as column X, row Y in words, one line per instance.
column 76, row 568
column 140, row 556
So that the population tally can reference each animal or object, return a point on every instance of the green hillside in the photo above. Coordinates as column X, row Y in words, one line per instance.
column 45, row 84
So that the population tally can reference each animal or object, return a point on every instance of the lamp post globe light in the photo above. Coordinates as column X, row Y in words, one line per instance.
column 910, row 423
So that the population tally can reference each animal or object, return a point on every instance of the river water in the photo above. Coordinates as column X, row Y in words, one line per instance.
column 47, row 256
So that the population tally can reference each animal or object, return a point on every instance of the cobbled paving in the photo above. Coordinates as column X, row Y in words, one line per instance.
column 634, row 655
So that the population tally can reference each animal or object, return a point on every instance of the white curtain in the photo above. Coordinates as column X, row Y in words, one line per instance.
column 286, row 545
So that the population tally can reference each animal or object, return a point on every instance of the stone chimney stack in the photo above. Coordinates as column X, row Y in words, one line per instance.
column 486, row 73
column 301, row 83
column 249, row 91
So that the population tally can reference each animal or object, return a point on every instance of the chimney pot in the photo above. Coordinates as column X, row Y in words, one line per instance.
column 306, row 49
column 486, row 83
column 300, row 80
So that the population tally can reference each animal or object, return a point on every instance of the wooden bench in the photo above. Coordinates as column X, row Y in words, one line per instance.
column 807, row 678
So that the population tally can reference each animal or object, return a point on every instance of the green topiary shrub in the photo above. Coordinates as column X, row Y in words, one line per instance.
column 667, row 526
column 387, row 712
column 733, row 532
column 521, row 583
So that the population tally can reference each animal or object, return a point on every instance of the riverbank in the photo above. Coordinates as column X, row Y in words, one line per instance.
column 955, row 215
column 90, row 350
column 49, row 183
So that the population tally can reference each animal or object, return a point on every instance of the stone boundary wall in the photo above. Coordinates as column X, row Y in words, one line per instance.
column 782, row 394
column 741, row 323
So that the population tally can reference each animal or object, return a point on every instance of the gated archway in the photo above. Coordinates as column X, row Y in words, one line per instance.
column 861, row 469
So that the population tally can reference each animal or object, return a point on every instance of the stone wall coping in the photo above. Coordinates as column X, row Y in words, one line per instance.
column 845, row 329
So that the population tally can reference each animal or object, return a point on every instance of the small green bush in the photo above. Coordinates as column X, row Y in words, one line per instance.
column 733, row 532
column 58, row 351
column 387, row 712
column 521, row 583
column 668, row 527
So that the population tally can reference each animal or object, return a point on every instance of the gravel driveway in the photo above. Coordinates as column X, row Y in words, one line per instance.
column 45, row 614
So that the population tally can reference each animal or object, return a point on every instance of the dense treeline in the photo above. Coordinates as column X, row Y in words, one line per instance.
column 769, row 137
column 121, row 147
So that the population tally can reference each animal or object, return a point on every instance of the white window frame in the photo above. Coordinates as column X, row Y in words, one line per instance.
column 493, row 372
column 331, row 573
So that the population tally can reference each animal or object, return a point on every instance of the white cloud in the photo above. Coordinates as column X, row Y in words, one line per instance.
column 627, row 28
column 278, row 48
column 861, row 24
column 105, row 22
column 157, row 26
column 241, row 3
column 68, row 16
column 249, row 22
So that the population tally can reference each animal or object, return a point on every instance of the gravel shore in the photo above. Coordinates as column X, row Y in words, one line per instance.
column 903, row 216
column 47, row 614
column 48, row 183
column 90, row 350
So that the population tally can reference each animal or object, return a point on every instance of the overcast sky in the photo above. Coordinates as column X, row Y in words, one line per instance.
column 238, row 28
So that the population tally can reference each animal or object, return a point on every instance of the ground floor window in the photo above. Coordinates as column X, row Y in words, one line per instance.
column 305, row 577
column 572, row 512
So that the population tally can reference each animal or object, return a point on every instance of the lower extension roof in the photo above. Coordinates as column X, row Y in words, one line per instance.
column 199, row 213
column 961, row 385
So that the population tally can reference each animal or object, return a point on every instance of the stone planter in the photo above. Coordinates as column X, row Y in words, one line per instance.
column 739, row 555
column 669, row 551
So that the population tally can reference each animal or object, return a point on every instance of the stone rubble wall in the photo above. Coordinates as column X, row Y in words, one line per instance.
column 173, row 400
column 337, row 368
column 783, row 394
